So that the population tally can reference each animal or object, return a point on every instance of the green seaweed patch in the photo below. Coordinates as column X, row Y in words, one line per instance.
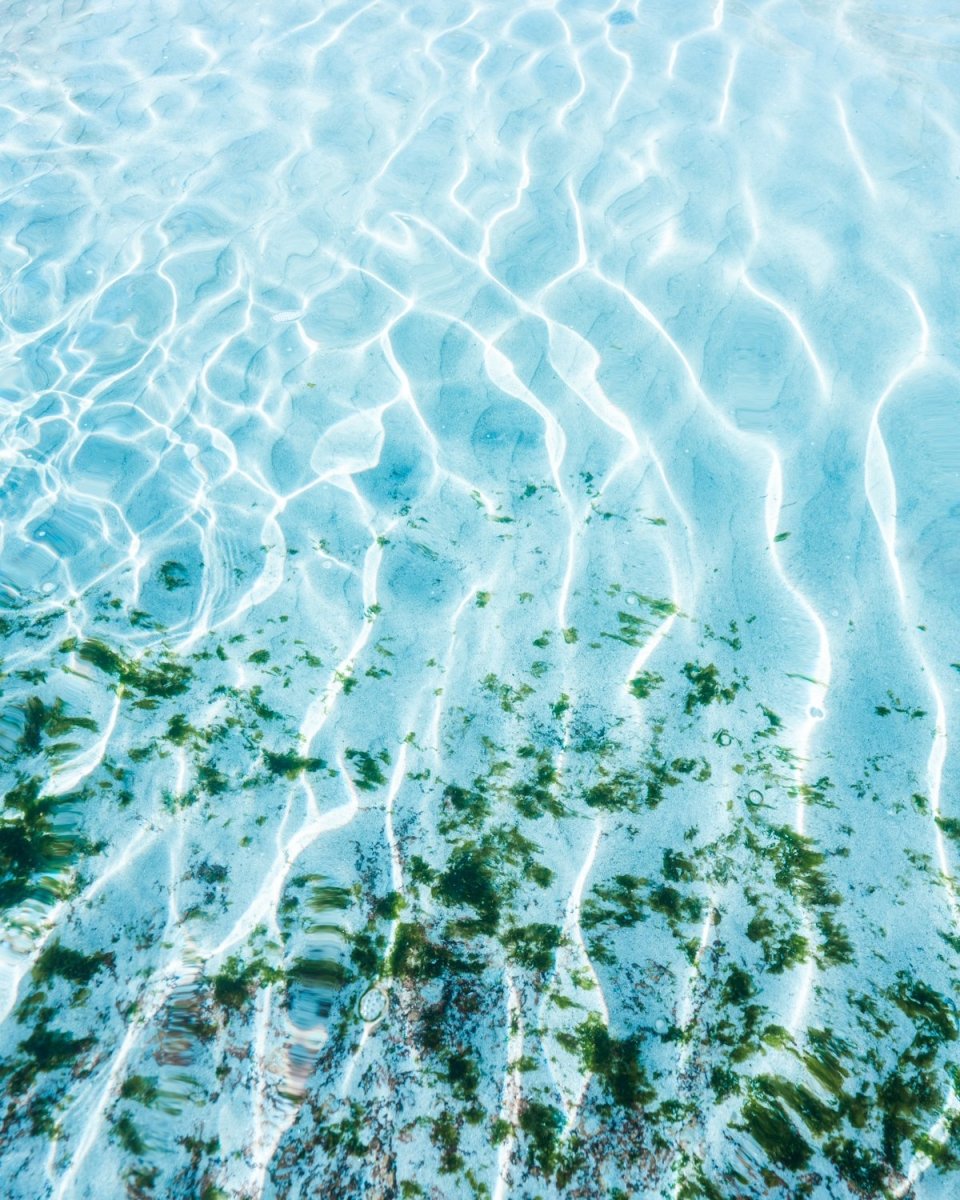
column 824, row 1058
column 817, row 1116
column 816, row 792
column 366, row 953
column 211, row 780
column 766, row 1121
column 162, row 679
column 347, row 680
column 35, row 847
column 345, row 1134
column 561, row 707
column 783, row 948
column 643, row 684
column 934, row 1016
column 414, row 956
column 542, row 1126
column 669, row 902
column 533, row 946
column 33, row 675
column 174, row 575
column 634, row 628
column 368, row 776
column 258, row 707
column 463, row 806
column 463, row 1075
column 536, row 796
column 733, row 640
column 324, row 897
column 615, row 793
column 906, row 1100
column 798, row 865
column 60, row 962
column 897, row 706
column 508, row 695
column 390, row 906
column 445, row 1135
column 47, row 1049
column 858, row 1166
column 42, row 722
column 620, row 902
column 180, row 731
column 738, row 987
column 628, row 791
column 469, row 881
column 950, row 826
column 697, row 768
column 724, row 1083
column 127, row 1134
column 141, row 1088
column 235, row 985
column 615, row 1062
column 290, row 765
column 707, row 687
column 677, row 866
column 695, row 1185
column 942, row 1151
column 835, row 947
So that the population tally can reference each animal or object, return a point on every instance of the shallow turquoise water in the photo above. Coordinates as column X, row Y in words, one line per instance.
column 480, row 545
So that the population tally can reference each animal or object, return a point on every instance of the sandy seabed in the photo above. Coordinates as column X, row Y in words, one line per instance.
column 479, row 559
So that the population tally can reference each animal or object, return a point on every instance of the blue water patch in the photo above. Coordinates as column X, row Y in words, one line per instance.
column 479, row 525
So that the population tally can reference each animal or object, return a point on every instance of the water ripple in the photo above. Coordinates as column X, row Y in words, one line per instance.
column 477, row 582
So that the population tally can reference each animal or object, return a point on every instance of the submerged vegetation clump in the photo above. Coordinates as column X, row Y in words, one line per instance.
column 707, row 687
column 161, row 678
column 530, row 900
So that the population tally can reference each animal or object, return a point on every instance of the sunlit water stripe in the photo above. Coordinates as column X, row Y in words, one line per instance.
column 479, row 513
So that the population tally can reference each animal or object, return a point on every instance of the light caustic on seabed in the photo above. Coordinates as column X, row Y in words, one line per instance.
column 477, row 523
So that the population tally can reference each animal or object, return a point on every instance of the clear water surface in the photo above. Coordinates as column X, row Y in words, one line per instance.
column 479, row 572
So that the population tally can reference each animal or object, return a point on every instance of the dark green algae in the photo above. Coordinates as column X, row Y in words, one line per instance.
column 466, row 911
